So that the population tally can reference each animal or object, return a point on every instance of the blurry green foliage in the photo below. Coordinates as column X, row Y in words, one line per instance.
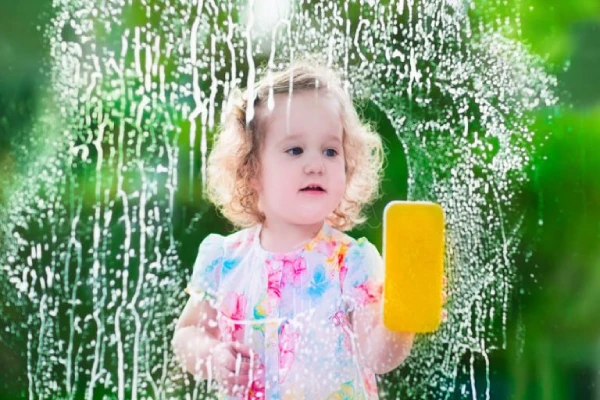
column 559, row 274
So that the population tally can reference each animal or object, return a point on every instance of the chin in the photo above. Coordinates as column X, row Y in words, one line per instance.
column 311, row 219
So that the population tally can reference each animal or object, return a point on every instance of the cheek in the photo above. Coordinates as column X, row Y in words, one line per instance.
column 341, row 171
column 342, row 186
column 343, row 178
column 338, row 175
column 278, row 179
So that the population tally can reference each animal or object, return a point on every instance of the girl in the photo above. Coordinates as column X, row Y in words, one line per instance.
column 289, row 307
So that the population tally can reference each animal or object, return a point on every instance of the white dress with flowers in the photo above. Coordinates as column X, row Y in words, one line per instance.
column 292, row 309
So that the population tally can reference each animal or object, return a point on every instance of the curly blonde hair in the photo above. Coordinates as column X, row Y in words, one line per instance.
column 233, row 162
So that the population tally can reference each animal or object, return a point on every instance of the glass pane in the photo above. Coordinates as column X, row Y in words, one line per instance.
column 109, row 112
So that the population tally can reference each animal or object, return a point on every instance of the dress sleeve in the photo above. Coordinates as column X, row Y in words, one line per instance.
column 204, row 281
column 363, row 284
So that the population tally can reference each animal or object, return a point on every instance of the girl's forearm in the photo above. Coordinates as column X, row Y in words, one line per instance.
column 193, row 347
column 382, row 350
column 390, row 348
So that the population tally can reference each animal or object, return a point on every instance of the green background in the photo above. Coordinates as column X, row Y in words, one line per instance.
column 559, row 271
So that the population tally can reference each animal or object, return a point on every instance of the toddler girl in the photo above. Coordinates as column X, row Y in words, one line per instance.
column 289, row 307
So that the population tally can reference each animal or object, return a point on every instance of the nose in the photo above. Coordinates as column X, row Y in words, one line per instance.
column 314, row 165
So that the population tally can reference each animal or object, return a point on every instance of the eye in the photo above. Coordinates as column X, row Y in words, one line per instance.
column 331, row 152
column 299, row 149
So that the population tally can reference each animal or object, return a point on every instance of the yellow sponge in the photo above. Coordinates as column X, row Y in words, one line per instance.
column 413, row 253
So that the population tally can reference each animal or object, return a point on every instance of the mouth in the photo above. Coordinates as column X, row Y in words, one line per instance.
column 313, row 189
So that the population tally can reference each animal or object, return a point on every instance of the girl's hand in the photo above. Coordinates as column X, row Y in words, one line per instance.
column 231, row 367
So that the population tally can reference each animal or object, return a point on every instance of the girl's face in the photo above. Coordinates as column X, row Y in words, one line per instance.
column 302, row 147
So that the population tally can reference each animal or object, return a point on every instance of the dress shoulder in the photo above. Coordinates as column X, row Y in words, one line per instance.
column 363, row 283
column 217, row 256
column 206, row 271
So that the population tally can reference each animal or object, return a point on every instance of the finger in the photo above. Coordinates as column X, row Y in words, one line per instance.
column 238, row 365
column 242, row 381
column 236, row 384
column 242, row 364
column 223, row 351
column 226, row 359
column 242, row 349
column 229, row 380
column 245, row 367
column 225, row 376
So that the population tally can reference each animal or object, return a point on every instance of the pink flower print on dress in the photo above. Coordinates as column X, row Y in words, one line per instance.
column 368, row 292
column 287, row 350
column 293, row 269
column 327, row 246
column 235, row 309
column 340, row 319
column 335, row 262
column 273, row 281
column 343, row 273
column 257, row 388
column 370, row 384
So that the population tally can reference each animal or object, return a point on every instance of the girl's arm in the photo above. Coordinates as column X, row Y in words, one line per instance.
column 382, row 350
column 199, row 350
column 196, row 334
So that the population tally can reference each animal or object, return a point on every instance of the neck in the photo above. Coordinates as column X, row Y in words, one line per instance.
column 281, row 237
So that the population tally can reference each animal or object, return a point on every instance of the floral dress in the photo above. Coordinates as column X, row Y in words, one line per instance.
column 293, row 309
